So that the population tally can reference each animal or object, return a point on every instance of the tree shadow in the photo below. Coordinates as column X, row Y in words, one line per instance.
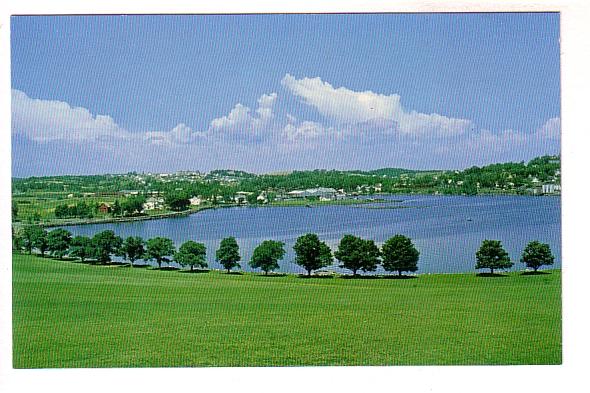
column 537, row 273
column 491, row 275
column 144, row 266
column 235, row 273
column 168, row 268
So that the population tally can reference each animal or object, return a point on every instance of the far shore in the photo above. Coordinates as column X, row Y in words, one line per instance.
column 376, row 198
column 184, row 213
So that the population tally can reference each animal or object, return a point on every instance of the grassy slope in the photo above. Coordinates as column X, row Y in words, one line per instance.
column 73, row 315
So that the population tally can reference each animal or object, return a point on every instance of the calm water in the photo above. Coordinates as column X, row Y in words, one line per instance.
column 447, row 230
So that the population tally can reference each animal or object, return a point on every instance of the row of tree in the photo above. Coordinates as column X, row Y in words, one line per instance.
column 491, row 255
column 398, row 254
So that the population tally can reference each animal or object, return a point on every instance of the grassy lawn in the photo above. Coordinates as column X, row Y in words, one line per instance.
column 68, row 314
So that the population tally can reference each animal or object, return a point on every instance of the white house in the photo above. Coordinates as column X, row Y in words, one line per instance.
column 195, row 201
column 551, row 188
column 153, row 203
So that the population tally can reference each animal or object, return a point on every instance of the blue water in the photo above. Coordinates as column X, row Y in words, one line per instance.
column 447, row 230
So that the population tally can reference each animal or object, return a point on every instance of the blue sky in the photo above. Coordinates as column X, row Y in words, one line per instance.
column 277, row 92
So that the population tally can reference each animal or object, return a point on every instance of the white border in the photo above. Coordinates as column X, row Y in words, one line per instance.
column 575, row 21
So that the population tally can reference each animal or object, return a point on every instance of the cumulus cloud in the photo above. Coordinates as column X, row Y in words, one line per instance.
column 181, row 134
column 239, row 116
column 48, row 120
column 240, row 121
column 305, row 130
column 347, row 107
column 551, row 129
column 495, row 141
column 363, row 122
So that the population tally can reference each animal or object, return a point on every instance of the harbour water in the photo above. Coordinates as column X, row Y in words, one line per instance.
column 447, row 230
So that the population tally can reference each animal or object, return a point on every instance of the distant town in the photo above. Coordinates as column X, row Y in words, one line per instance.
column 96, row 197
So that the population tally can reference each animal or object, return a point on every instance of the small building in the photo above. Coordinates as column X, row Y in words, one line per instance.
column 321, row 193
column 551, row 188
column 262, row 198
column 153, row 203
column 104, row 208
column 195, row 201
column 242, row 197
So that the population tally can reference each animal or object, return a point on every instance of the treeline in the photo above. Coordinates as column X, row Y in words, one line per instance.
column 80, row 183
column 129, row 206
column 349, row 181
column 514, row 177
column 80, row 209
column 397, row 254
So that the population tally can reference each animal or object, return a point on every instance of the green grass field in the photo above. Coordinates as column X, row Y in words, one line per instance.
column 68, row 314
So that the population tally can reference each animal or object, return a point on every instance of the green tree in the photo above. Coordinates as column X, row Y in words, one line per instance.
column 116, row 209
column 177, row 201
column 105, row 244
column 491, row 255
column 252, row 198
column 81, row 247
column 311, row 253
column 357, row 254
column 192, row 254
column 29, row 235
column 40, row 241
column 228, row 253
column 14, row 211
column 17, row 241
column 537, row 254
column 133, row 205
column 61, row 211
column 267, row 254
column 399, row 254
column 58, row 242
column 159, row 249
column 132, row 249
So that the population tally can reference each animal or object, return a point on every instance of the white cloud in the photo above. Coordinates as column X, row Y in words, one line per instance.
column 241, row 122
column 179, row 135
column 551, row 129
column 305, row 130
column 265, row 105
column 344, row 106
column 239, row 116
column 44, row 120
column 360, row 121
column 420, row 123
column 50, row 120
column 495, row 141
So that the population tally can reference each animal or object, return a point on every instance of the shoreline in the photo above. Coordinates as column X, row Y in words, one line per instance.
column 124, row 219
column 184, row 213
column 293, row 203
